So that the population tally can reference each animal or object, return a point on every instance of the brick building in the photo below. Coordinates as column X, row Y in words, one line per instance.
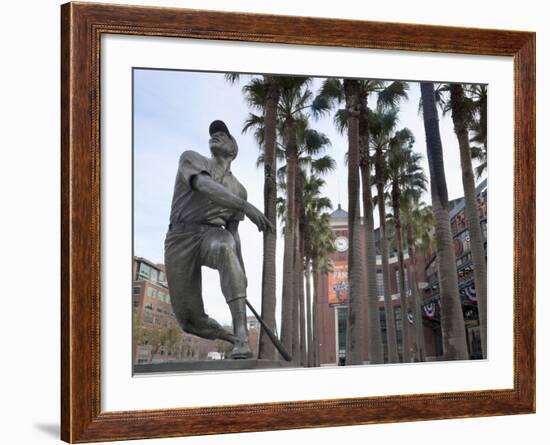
column 332, row 291
column 157, row 336
column 332, row 302
column 466, row 285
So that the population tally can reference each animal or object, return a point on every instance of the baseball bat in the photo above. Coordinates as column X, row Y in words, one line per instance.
column 270, row 334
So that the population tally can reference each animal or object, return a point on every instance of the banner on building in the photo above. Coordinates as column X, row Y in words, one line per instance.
column 338, row 284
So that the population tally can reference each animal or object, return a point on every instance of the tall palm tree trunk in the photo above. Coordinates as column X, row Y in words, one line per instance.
column 471, row 209
column 406, row 331
column 287, row 331
column 452, row 318
column 300, row 293
column 297, row 276
column 393, row 354
column 266, row 350
column 374, row 334
column 483, row 119
column 355, row 328
column 298, row 345
column 300, row 215
column 417, row 309
column 315, row 316
column 309, row 315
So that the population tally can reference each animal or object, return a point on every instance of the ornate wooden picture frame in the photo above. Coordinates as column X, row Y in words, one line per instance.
column 82, row 25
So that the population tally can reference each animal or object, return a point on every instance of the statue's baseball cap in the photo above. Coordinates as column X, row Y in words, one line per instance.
column 217, row 126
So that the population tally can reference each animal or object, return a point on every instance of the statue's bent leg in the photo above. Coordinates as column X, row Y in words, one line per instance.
column 218, row 251
column 184, row 282
column 241, row 348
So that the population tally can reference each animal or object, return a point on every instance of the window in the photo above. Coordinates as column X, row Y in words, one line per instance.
column 397, row 279
column 398, row 327
column 151, row 292
column 342, row 313
column 154, row 275
column 136, row 290
column 380, row 283
column 144, row 271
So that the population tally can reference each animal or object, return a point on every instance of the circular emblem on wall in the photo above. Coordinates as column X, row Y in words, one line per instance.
column 341, row 244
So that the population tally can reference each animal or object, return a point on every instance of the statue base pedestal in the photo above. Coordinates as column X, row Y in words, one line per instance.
column 211, row 365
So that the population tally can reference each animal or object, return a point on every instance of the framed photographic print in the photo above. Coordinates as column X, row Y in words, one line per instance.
column 276, row 222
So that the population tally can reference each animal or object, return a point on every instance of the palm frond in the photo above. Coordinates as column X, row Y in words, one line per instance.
column 314, row 141
column 232, row 77
column 323, row 165
column 391, row 95
column 255, row 93
column 333, row 88
column 341, row 120
column 320, row 106
column 256, row 124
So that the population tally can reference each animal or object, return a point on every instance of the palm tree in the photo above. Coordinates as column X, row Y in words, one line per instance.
column 309, row 313
column 461, row 113
column 406, row 178
column 311, row 145
column 293, row 101
column 355, row 332
column 309, row 233
column 479, row 150
column 415, row 218
column 308, row 200
column 389, row 95
column 299, row 322
column 321, row 247
column 382, row 126
column 477, row 94
column 263, row 95
column 375, row 347
column 313, row 230
column 388, row 100
column 452, row 319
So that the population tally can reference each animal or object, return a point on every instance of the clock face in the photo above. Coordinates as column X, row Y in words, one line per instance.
column 341, row 244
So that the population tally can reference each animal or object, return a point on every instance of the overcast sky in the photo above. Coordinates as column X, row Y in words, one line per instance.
column 172, row 112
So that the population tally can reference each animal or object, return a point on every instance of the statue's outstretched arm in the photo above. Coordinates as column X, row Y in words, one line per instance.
column 216, row 192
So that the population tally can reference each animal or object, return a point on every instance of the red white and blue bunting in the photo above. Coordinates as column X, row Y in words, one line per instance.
column 429, row 310
column 470, row 293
